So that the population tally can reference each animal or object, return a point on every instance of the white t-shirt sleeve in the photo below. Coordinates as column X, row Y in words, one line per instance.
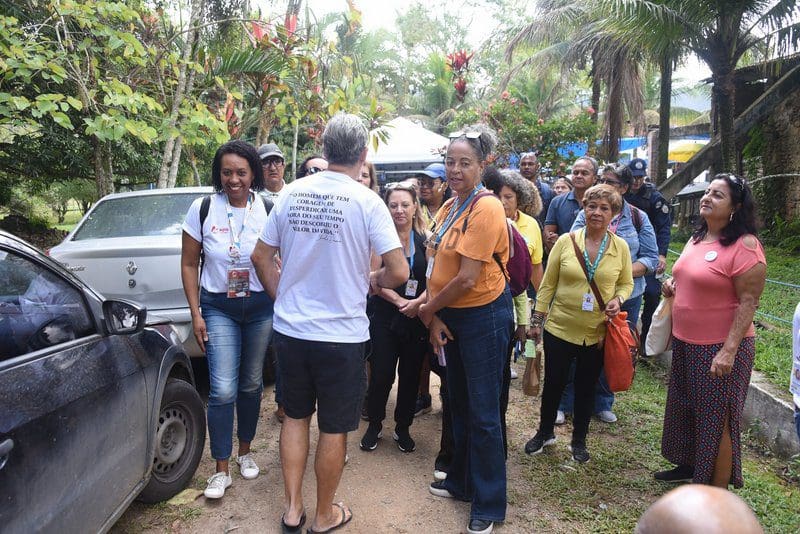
column 382, row 233
column 191, row 225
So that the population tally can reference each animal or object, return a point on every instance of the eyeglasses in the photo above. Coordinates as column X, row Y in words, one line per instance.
column 271, row 161
column 609, row 182
column 428, row 183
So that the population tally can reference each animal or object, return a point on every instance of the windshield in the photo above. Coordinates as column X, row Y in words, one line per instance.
column 137, row 216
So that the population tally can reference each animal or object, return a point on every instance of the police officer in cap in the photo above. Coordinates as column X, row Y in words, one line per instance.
column 647, row 198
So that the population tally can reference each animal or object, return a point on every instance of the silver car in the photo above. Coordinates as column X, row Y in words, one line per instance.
column 128, row 246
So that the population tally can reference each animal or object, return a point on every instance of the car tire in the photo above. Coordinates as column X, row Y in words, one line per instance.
column 179, row 439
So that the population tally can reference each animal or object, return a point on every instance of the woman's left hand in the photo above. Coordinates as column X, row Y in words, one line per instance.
column 722, row 364
column 612, row 308
column 520, row 334
column 439, row 333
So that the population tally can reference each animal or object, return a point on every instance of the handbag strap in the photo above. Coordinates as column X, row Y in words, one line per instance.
column 582, row 261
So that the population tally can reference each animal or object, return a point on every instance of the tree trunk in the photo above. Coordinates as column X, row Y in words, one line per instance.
column 664, row 111
column 724, row 92
column 101, row 157
column 176, row 162
column 178, row 96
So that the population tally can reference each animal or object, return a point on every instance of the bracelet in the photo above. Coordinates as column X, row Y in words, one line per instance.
column 537, row 320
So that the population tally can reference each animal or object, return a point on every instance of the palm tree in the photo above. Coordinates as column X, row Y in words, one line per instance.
column 719, row 32
column 566, row 34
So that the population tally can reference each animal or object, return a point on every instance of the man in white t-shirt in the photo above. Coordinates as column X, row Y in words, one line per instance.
column 324, row 227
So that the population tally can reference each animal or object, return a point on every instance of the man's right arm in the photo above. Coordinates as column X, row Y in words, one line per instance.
column 266, row 266
column 393, row 273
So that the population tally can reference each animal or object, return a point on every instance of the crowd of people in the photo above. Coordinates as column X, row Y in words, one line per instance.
column 356, row 284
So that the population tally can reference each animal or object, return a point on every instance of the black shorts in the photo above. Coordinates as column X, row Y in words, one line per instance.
column 329, row 375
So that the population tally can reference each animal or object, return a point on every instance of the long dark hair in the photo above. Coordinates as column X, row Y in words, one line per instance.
column 743, row 220
column 241, row 149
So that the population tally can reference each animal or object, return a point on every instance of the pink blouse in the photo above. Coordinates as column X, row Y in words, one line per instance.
column 705, row 297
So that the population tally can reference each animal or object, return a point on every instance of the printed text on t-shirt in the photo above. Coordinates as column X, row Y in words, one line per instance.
column 317, row 214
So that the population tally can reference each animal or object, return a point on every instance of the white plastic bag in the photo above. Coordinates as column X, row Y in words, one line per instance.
column 659, row 337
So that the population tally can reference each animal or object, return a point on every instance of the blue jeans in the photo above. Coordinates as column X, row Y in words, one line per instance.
column 475, row 362
column 603, row 396
column 797, row 421
column 238, row 334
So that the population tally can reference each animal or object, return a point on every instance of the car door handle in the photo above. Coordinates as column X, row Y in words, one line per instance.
column 5, row 449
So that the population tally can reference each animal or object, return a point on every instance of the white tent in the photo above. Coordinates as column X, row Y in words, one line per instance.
column 408, row 143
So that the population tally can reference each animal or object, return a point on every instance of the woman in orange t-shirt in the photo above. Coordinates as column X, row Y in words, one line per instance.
column 469, row 314
column 716, row 283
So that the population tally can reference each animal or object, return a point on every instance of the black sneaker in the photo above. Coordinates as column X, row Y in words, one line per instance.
column 437, row 488
column 682, row 473
column 538, row 442
column 370, row 440
column 579, row 453
column 403, row 439
column 423, row 405
column 364, row 413
column 479, row 526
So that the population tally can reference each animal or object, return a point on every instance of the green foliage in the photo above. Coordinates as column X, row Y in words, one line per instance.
column 519, row 129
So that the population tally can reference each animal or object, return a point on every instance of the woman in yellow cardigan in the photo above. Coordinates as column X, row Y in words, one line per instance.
column 574, row 324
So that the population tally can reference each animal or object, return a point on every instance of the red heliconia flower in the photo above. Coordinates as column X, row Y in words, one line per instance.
column 291, row 24
column 260, row 29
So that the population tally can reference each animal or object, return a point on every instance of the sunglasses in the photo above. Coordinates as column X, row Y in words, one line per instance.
column 471, row 136
column 399, row 185
column 313, row 170
column 609, row 182
column 735, row 180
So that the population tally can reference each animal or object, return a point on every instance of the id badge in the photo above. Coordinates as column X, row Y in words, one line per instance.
column 238, row 282
column 411, row 288
column 429, row 270
column 587, row 302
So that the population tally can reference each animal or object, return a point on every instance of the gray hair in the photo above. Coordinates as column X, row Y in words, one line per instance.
column 344, row 138
column 592, row 162
column 528, row 199
column 483, row 145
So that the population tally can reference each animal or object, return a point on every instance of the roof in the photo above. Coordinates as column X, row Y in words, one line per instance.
column 408, row 142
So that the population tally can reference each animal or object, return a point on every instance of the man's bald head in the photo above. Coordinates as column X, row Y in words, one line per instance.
column 698, row 508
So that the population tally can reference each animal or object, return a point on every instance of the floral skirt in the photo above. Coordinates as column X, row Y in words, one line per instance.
column 697, row 404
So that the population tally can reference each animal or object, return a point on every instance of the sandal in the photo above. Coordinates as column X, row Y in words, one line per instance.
column 293, row 529
column 345, row 519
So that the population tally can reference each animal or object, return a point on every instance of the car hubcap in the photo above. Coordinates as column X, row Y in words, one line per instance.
column 170, row 439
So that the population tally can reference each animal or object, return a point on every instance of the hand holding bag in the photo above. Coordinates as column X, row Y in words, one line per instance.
column 532, row 379
column 659, row 337
column 621, row 344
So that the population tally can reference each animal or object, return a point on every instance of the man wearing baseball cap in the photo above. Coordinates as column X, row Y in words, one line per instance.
column 646, row 197
column 272, row 161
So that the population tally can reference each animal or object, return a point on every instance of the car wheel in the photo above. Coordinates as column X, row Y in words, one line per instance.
column 180, row 436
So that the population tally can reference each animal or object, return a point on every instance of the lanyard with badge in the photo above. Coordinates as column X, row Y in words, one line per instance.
column 587, row 303
column 455, row 212
column 238, row 273
column 412, row 284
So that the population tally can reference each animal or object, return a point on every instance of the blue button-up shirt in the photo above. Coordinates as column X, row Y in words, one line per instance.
column 562, row 212
column 642, row 244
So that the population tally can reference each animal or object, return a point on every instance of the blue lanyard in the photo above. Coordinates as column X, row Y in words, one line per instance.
column 455, row 213
column 411, row 256
column 592, row 268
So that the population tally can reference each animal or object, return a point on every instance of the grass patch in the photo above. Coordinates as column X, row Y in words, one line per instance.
column 610, row 492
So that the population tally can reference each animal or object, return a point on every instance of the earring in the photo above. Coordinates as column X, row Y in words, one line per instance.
column 731, row 219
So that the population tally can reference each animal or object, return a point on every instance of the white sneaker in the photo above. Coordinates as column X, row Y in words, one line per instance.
column 247, row 466
column 560, row 418
column 607, row 416
column 514, row 374
column 217, row 485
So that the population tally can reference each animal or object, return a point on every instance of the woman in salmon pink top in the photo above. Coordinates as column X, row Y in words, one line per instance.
column 716, row 283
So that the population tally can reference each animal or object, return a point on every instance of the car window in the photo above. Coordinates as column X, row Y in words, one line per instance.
column 145, row 215
column 38, row 308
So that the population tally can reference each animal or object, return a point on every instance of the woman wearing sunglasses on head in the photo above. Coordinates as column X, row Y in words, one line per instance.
column 716, row 284
column 469, row 315
column 399, row 339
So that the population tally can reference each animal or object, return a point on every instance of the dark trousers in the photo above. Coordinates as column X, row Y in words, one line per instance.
column 652, row 296
column 394, row 348
column 446, row 444
column 504, row 393
column 558, row 356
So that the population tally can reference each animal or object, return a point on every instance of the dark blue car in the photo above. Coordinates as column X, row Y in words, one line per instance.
column 96, row 409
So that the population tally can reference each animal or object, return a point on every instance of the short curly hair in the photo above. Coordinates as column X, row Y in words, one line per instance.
column 604, row 192
column 528, row 199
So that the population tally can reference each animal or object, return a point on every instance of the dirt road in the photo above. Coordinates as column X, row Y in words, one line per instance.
column 386, row 489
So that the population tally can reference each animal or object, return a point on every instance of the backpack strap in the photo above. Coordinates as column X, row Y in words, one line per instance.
column 204, row 207
column 636, row 215
column 508, row 227
column 472, row 206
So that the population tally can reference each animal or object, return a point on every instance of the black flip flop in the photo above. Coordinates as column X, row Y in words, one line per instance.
column 296, row 529
column 341, row 523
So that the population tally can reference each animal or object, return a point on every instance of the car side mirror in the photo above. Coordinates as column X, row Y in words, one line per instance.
column 123, row 317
